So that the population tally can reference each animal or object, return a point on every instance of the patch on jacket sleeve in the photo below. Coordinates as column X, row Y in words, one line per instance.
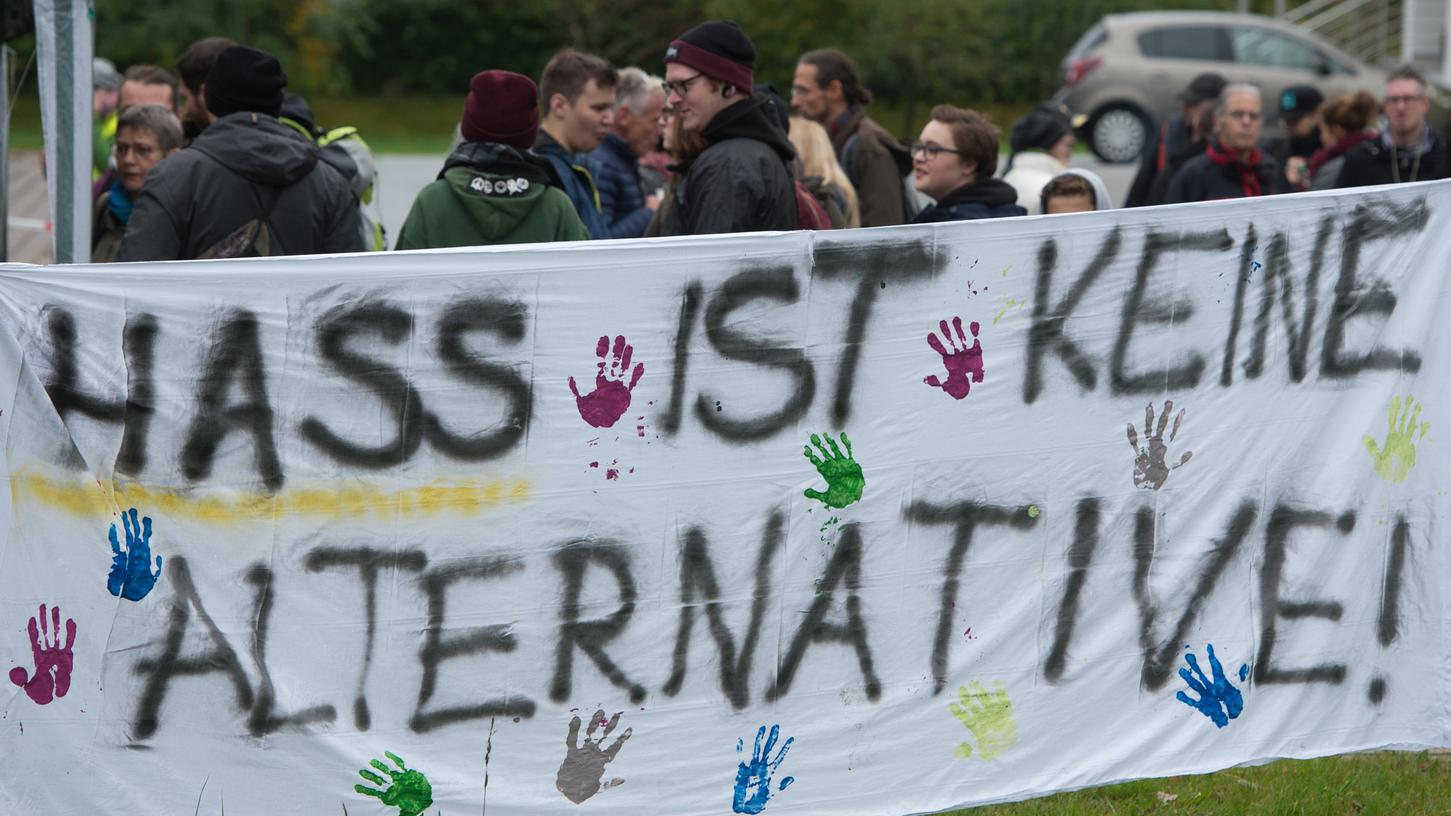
column 499, row 187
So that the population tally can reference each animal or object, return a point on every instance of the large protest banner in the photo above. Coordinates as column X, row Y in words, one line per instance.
column 874, row 522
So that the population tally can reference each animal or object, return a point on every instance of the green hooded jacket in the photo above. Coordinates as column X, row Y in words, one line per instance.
column 490, row 194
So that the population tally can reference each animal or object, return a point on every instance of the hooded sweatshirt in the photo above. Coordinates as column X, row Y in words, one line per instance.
column 742, row 182
column 984, row 198
column 491, row 194
column 247, row 186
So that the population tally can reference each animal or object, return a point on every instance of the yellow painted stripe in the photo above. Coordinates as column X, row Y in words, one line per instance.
column 85, row 495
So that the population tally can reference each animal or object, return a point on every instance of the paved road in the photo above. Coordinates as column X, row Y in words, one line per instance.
column 403, row 176
column 400, row 179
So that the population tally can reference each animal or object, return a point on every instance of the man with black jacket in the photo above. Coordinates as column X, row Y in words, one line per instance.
column 1408, row 149
column 1232, row 166
column 247, row 186
column 742, row 182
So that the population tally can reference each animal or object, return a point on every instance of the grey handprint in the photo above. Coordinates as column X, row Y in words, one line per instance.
column 1151, row 469
column 584, row 762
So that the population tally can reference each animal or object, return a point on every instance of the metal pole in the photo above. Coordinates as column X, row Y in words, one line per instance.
column 1279, row 8
column 4, row 152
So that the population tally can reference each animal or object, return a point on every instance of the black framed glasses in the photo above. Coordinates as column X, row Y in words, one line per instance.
column 931, row 151
column 680, row 87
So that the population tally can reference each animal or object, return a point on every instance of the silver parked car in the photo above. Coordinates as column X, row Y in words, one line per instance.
column 1126, row 73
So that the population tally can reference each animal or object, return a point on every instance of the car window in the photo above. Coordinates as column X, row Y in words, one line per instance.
column 1257, row 46
column 1187, row 42
column 1090, row 40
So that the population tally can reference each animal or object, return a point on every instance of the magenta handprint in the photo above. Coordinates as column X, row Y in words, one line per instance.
column 604, row 406
column 963, row 364
column 53, row 660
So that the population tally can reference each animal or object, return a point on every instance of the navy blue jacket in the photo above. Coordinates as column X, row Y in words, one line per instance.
column 578, row 174
column 622, row 202
column 989, row 198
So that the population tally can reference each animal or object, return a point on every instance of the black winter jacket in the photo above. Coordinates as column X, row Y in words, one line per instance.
column 1200, row 179
column 741, row 183
column 987, row 198
column 1370, row 162
column 247, row 186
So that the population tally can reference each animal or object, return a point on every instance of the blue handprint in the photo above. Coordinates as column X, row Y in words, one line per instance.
column 1218, row 699
column 131, row 577
column 753, row 781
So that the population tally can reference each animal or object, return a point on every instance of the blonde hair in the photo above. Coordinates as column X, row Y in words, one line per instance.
column 819, row 159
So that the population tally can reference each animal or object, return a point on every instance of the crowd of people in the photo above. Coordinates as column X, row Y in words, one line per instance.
column 220, row 160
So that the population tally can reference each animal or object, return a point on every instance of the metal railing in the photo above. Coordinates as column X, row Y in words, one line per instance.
column 1368, row 29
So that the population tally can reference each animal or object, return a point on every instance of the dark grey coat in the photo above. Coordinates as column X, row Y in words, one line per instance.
column 249, row 185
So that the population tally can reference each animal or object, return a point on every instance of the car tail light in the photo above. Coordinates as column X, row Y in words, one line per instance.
column 1080, row 68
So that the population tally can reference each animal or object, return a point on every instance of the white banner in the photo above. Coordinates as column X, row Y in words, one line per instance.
column 883, row 521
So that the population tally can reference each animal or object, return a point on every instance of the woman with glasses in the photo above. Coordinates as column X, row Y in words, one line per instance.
column 953, row 162
column 145, row 134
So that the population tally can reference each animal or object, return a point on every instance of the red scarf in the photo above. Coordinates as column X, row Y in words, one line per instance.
column 1329, row 152
column 1248, row 177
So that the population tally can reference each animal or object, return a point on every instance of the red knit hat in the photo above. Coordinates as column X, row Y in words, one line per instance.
column 502, row 107
column 720, row 50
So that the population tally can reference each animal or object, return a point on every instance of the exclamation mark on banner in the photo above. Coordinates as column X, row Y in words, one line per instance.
column 1390, row 614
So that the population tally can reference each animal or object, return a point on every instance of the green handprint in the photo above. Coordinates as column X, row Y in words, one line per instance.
column 989, row 716
column 1394, row 460
column 409, row 792
column 844, row 479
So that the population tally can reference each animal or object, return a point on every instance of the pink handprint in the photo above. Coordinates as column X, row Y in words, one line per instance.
column 53, row 661
column 964, row 365
column 610, row 400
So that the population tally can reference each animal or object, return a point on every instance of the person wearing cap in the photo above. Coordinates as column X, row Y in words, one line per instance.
column 828, row 90
column 1299, row 110
column 742, row 181
column 1232, row 166
column 105, row 99
column 1041, row 143
column 1408, row 149
column 492, row 190
column 1176, row 141
column 248, row 185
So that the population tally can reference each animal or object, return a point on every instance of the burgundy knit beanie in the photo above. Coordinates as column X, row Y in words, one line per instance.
column 720, row 50
column 502, row 107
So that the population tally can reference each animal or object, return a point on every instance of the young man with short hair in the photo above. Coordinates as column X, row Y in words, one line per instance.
column 148, row 85
column 576, row 102
column 742, row 182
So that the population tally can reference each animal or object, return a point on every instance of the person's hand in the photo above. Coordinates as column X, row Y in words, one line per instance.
column 652, row 202
column 1297, row 171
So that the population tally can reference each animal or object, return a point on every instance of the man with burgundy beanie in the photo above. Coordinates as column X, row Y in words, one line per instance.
column 492, row 190
column 247, row 186
column 742, row 182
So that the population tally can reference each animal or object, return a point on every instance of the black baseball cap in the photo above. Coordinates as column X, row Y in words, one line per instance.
column 1299, row 100
column 1203, row 88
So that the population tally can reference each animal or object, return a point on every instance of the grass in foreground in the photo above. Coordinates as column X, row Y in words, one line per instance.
column 1392, row 783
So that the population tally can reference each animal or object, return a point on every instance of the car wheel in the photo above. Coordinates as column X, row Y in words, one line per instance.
column 1118, row 134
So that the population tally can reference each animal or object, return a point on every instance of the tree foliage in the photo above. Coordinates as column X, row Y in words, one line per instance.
column 913, row 53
